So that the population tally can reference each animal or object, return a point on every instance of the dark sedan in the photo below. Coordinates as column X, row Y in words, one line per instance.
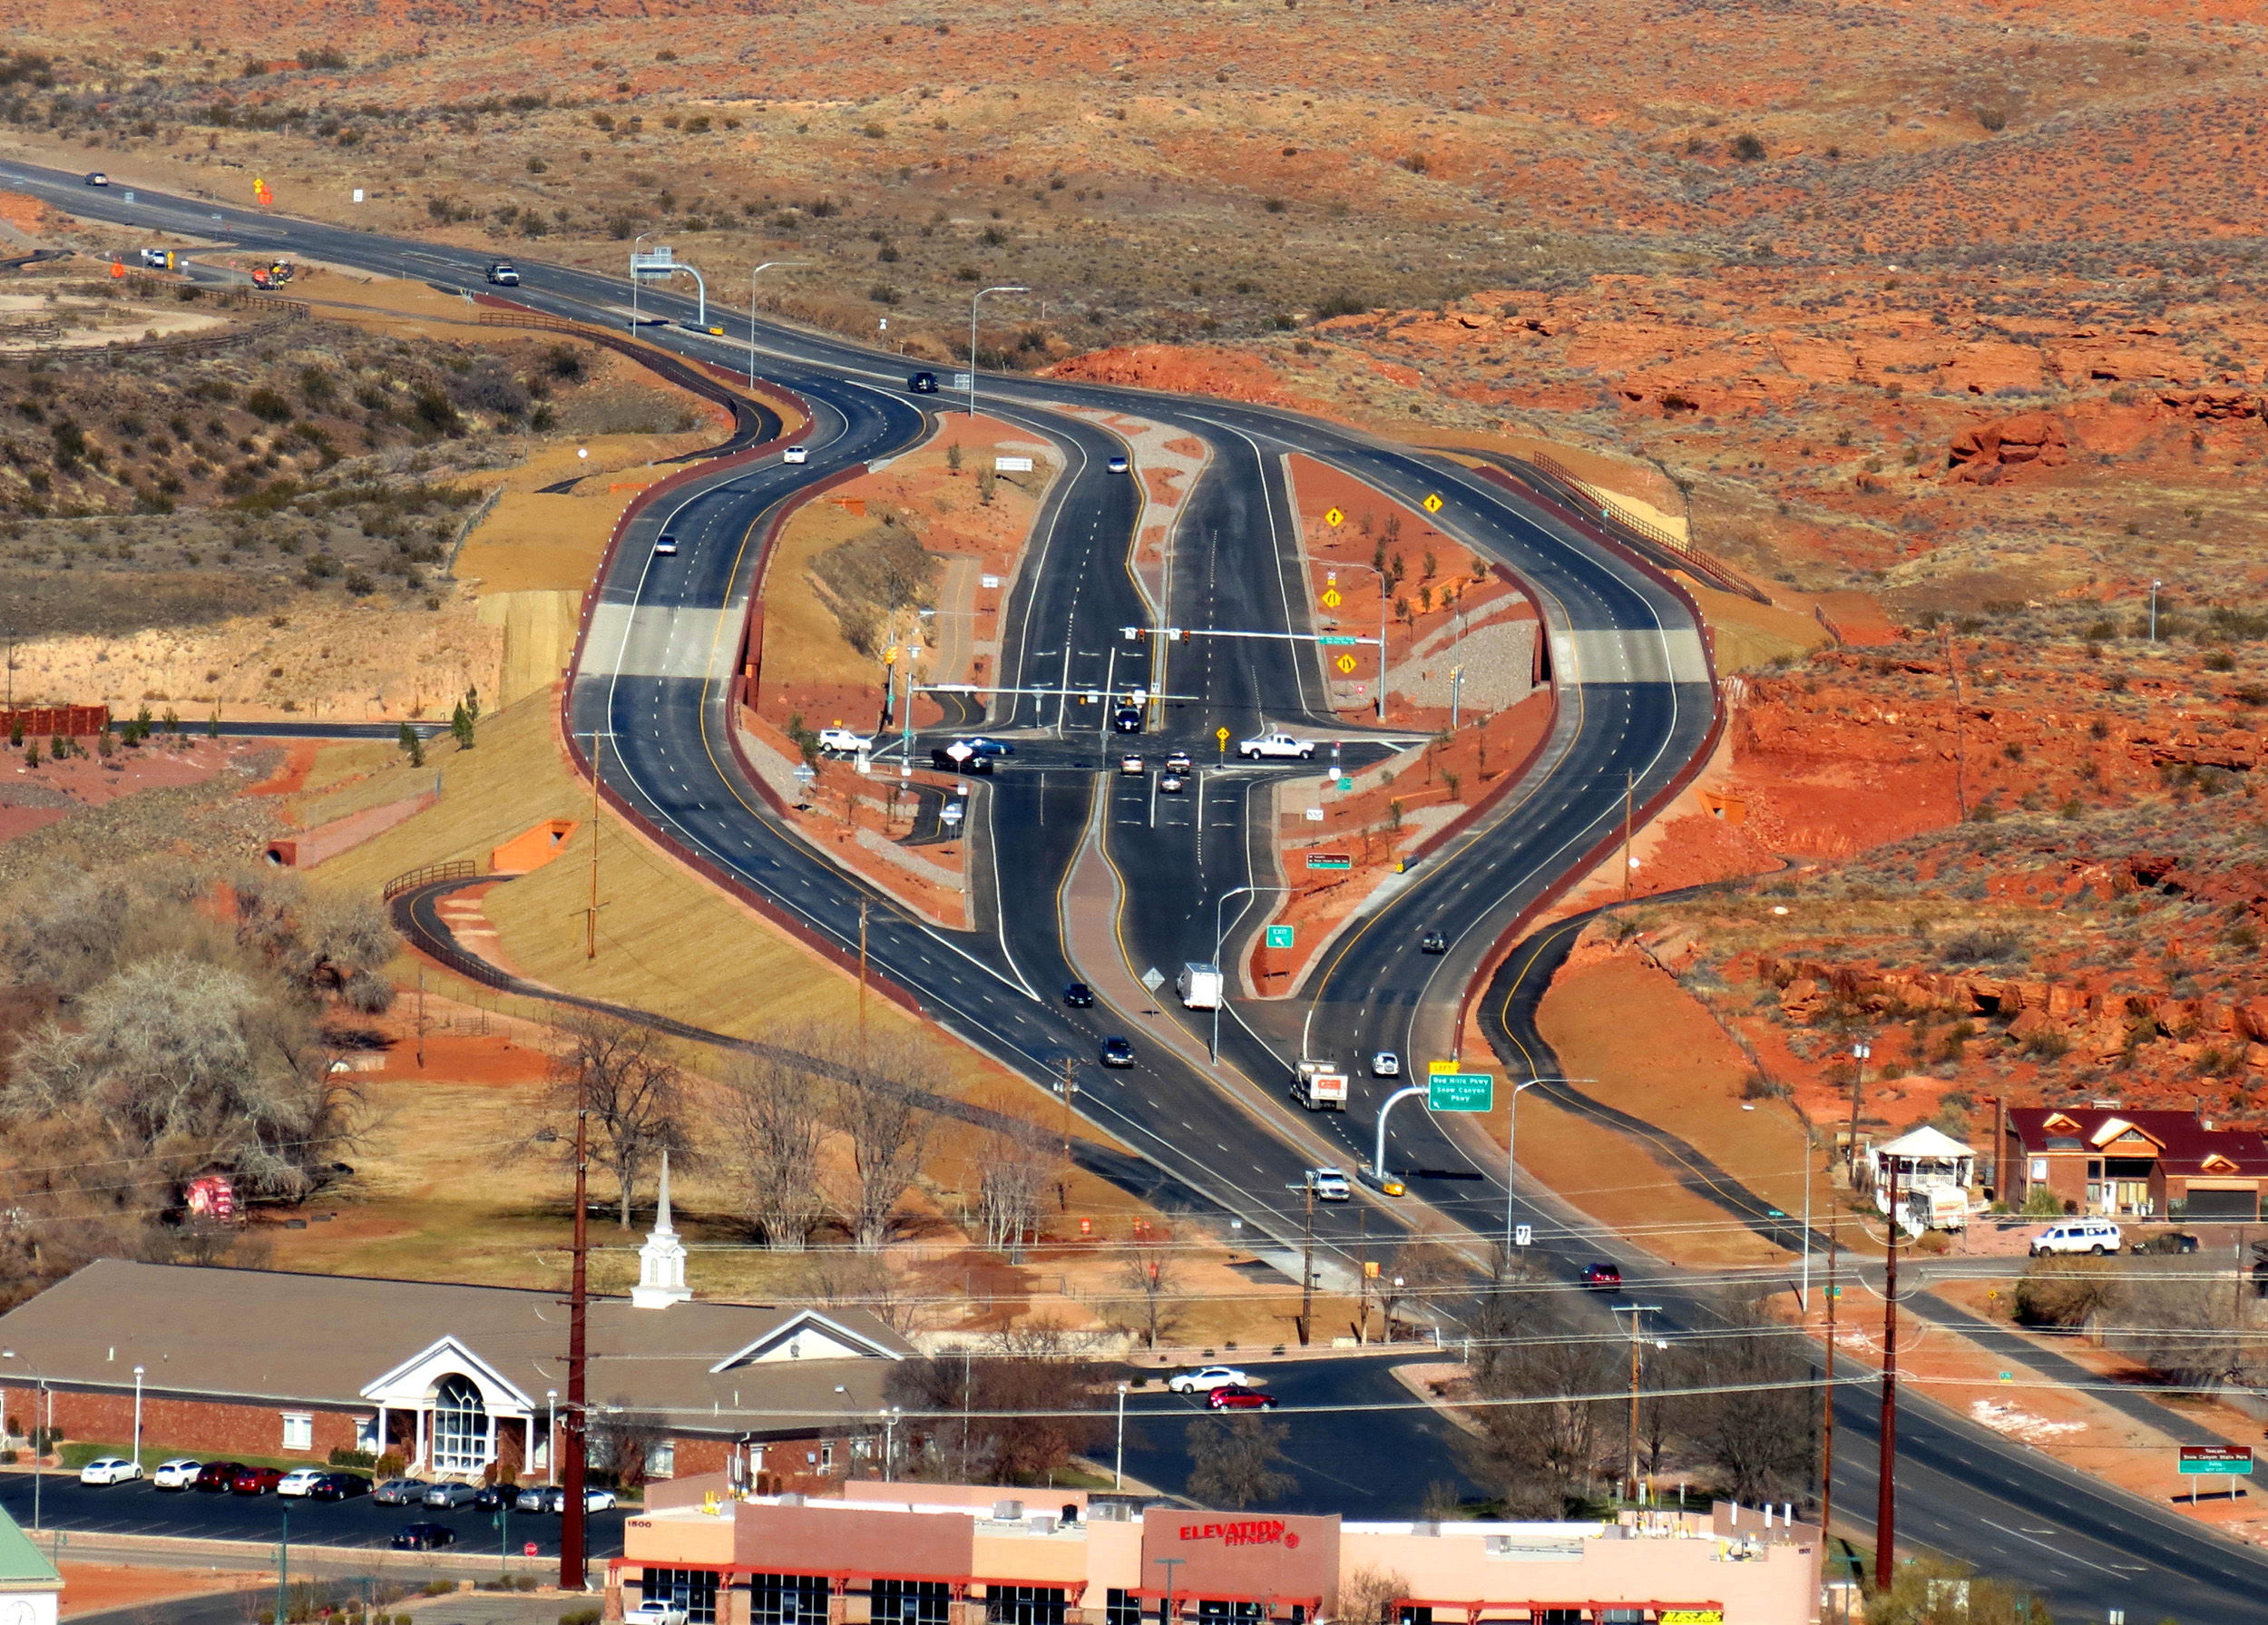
column 216, row 1477
column 1078, row 996
column 338, row 1486
column 423, row 1537
column 1116, row 1052
column 494, row 1498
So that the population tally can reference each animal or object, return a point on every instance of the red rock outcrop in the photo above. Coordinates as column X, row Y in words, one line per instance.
column 1987, row 452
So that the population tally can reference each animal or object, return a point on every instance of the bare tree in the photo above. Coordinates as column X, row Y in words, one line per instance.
column 864, row 1281
column 623, row 1440
column 1015, row 1415
column 2193, row 1333
column 777, row 1122
column 880, row 1107
column 1016, row 1166
column 1756, row 1432
column 1540, row 1451
column 1236, row 1461
column 1367, row 1596
column 627, row 1079
column 1151, row 1272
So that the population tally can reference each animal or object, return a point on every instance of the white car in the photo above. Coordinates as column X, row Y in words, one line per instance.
column 179, row 1473
column 794, row 453
column 1278, row 746
column 1386, row 1064
column 654, row 1611
column 1329, row 1184
column 300, row 1480
column 2077, row 1236
column 843, row 741
column 666, row 547
column 1118, row 465
column 1205, row 1380
column 109, row 1470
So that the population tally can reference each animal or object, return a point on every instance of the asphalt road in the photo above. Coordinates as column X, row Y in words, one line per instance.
column 1635, row 708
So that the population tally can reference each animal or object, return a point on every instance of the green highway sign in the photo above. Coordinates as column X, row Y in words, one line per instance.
column 1279, row 937
column 2233, row 1461
column 1460, row 1091
column 1329, row 860
column 1333, row 637
column 1347, row 784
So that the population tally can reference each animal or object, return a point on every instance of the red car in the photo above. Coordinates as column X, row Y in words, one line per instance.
column 216, row 1476
column 1603, row 1277
column 255, row 1481
column 1236, row 1396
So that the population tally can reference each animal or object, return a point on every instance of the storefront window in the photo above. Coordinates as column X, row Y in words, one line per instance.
column 460, row 1427
column 910, row 1602
column 692, row 1589
column 1415, row 1616
column 1024, row 1605
column 787, row 1598
column 1229, row 1613
column 1121, row 1608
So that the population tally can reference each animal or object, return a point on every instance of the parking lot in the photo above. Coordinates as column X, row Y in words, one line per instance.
column 137, row 1509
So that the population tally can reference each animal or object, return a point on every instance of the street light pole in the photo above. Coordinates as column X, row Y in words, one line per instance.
column 2153, row 587
column 633, row 275
column 550, row 1437
column 1165, row 1606
column 43, row 1423
column 753, row 274
column 973, row 299
column 1353, row 565
column 138, row 1372
column 1220, row 936
column 1118, row 1464
column 1512, row 1125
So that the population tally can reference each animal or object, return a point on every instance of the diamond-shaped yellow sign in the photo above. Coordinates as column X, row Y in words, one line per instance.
column 1331, row 600
column 1432, row 505
column 1334, row 517
column 1345, row 662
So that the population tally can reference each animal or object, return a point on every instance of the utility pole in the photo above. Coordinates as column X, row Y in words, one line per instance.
column 862, row 972
column 1627, row 783
column 1827, row 1424
column 421, row 1018
column 1859, row 1053
column 574, row 1574
column 1308, row 1265
column 1638, row 1314
column 590, row 915
column 1361, row 1279
column 1886, row 1495
column 283, row 1571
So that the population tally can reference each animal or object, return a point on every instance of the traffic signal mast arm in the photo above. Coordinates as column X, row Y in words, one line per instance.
column 1180, row 634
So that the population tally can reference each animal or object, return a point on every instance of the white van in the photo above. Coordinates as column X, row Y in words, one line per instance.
column 2077, row 1236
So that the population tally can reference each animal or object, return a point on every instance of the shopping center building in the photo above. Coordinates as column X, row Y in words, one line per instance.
column 950, row 1554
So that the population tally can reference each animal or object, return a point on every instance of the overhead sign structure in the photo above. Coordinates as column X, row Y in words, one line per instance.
column 1280, row 937
column 1329, row 860
column 653, row 262
column 2229, row 1461
column 1460, row 1091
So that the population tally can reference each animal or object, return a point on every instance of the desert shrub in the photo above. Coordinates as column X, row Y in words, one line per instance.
column 1747, row 147
column 1982, row 946
column 2063, row 1293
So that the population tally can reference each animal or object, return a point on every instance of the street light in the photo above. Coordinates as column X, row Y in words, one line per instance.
column 1118, row 1464
column 978, row 294
column 759, row 271
column 137, row 1421
column 1512, row 1125
column 550, row 1438
column 2153, row 587
column 1353, row 565
column 1219, row 936
column 890, row 1438
column 44, row 1423
column 633, row 275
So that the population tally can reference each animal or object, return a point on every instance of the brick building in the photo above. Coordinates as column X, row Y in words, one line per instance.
column 2122, row 1164
column 462, row 1382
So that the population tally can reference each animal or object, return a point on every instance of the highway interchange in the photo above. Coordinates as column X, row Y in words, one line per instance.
column 655, row 679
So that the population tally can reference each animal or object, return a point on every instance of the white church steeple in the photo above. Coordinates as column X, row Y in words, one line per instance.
column 662, row 1261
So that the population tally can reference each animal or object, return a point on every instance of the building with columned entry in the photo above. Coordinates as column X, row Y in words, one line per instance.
column 458, row 1381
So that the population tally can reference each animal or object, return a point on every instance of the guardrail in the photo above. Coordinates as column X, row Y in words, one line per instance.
column 1703, row 563
column 457, row 869
column 529, row 318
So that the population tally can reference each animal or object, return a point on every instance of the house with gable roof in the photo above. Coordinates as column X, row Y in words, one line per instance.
column 2118, row 1164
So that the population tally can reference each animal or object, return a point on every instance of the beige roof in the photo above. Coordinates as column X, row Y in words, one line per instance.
column 271, row 1337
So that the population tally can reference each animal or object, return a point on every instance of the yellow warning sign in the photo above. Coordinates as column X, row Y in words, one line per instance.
column 1334, row 517
column 1345, row 662
column 1432, row 505
column 1332, row 599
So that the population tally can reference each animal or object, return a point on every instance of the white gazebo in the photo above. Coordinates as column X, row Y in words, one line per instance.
column 1934, row 1173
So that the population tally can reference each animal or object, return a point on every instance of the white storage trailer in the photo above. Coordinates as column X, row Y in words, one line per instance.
column 1200, row 986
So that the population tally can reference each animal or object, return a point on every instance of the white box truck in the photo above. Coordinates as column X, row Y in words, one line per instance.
column 1320, row 1086
column 1200, row 986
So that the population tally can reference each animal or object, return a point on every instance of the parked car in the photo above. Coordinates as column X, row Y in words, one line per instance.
column 503, row 275
column 300, row 1481
column 654, row 1611
column 796, row 454
column 2097, row 1236
column 921, row 383
column 1116, row 1052
column 1603, row 1277
column 1078, row 996
column 255, row 1481
column 1126, row 718
column 338, row 1486
column 844, row 741
column 1386, row 1064
column 538, row 1498
column 593, row 1500
column 1329, row 1184
column 1236, row 1396
column 666, row 547
column 178, row 1473
column 2166, row 1241
column 1117, row 465
column 401, row 1491
column 1432, row 941
column 495, row 1498
column 109, row 1470
column 216, row 1478
column 451, row 1496
column 1206, row 1378
column 423, row 1537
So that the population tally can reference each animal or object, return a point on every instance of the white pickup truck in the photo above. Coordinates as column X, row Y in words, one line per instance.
column 1278, row 746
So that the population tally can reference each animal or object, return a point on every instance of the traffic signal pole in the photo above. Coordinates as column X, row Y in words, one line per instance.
column 573, row 1567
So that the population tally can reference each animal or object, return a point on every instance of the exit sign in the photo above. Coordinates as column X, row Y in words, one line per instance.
column 1460, row 1091
column 1280, row 937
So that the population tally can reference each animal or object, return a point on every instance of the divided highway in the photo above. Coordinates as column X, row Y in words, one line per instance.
column 651, row 697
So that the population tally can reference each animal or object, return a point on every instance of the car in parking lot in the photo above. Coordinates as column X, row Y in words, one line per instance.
column 177, row 1473
column 1329, row 1184
column 1206, row 1379
column 1236, row 1396
column 109, row 1470
column 216, row 1478
column 665, row 546
column 1386, row 1064
column 1602, row 1278
column 844, row 741
column 1116, row 1052
column 300, row 1481
column 1078, row 996
column 2096, row 1236
column 423, row 1537
column 796, row 454
column 255, row 1481
column 400, row 1492
column 338, row 1486
column 537, row 1498
column 593, row 1500
column 451, row 1496
column 655, row 1610
column 2165, row 1241
column 494, row 1498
